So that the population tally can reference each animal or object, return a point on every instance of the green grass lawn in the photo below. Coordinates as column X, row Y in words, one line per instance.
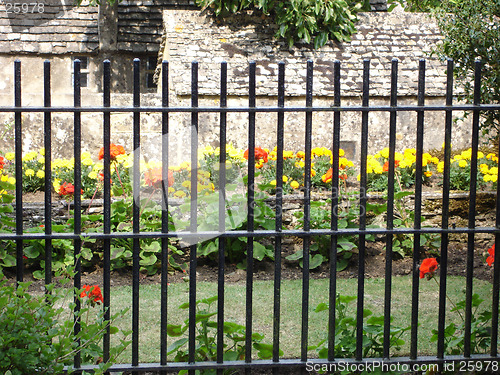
column 291, row 309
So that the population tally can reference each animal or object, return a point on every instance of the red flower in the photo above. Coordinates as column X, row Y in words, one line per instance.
column 491, row 258
column 67, row 189
column 153, row 177
column 114, row 151
column 259, row 154
column 428, row 267
column 93, row 293
column 2, row 162
column 385, row 168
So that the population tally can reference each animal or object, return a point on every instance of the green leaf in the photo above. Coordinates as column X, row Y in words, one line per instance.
column 175, row 329
column 177, row 345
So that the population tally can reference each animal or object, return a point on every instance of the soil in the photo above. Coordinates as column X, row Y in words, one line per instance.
column 375, row 262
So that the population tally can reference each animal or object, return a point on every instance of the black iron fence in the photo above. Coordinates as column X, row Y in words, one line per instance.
column 304, row 362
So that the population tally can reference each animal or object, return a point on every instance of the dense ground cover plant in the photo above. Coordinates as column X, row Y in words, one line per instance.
column 206, row 338
column 36, row 332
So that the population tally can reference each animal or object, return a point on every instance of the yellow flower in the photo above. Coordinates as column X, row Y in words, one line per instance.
column 93, row 175
column 440, row 167
column 87, row 161
column 10, row 156
column 285, row 179
column 30, row 156
column 489, row 156
column 428, row 173
column 494, row 178
column 4, row 178
column 341, row 152
column 40, row 174
column 171, row 190
column 175, row 168
column 301, row 154
column 273, row 183
column 378, row 170
column 287, row 154
column 186, row 184
column 385, row 153
column 493, row 171
column 179, row 194
column 487, row 178
column 185, row 165
column 294, row 184
column 313, row 173
column 462, row 164
column 29, row 173
column 57, row 184
column 358, row 177
column 300, row 164
column 480, row 155
column 11, row 180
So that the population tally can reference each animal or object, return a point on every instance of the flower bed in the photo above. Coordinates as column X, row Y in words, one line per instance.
column 178, row 187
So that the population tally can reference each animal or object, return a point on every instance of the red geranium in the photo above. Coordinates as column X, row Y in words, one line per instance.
column 67, row 188
column 428, row 267
column 2, row 162
column 385, row 168
column 153, row 177
column 491, row 258
column 93, row 293
column 114, row 151
column 259, row 154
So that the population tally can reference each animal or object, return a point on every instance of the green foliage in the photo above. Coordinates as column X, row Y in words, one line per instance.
column 236, row 219
column 415, row 5
column 309, row 21
column 480, row 336
column 471, row 31
column 404, row 217
column 348, row 217
column 206, row 338
column 36, row 332
column 345, row 332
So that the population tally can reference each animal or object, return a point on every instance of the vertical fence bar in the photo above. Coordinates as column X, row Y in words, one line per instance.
column 250, row 214
column 107, row 203
column 47, row 144
column 445, row 209
column 390, row 209
column 18, row 144
column 136, row 213
column 222, row 215
column 307, row 213
column 496, row 278
column 194, row 213
column 418, row 210
column 362, row 215
column 334, row 208
column 77, row 230
column 472, row 211
column 278, row 222
column 164, row 215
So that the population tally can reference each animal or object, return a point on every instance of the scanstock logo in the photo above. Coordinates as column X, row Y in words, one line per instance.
column 196, row 200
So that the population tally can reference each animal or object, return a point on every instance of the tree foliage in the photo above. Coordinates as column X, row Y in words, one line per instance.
column 309, row 21
column 471, row 31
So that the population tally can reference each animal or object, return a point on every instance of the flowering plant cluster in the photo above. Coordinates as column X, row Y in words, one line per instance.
column 481, row 318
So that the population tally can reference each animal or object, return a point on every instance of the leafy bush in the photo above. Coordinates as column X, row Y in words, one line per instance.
column 36, row 332
column 300, row 20
column 206, row 338
column 345, row 332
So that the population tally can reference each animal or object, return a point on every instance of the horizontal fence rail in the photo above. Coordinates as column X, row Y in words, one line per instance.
column 304, row 362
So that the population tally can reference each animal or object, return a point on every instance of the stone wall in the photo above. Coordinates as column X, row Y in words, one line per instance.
column 381, row 37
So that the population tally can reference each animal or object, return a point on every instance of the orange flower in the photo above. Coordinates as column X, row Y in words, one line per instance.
column 114, row 151
column 327, row 177
column 491, row 258
column 153, row 177
column 428, row 267
column 93, row 293
column 67, row 188
column 259, row 154
column 385, row 168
